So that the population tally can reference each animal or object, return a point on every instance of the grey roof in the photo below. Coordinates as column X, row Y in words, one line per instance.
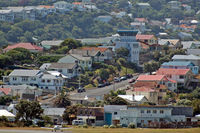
column 48, row 76
column 19, row 87
column 52, row 43
column 187, row 111
column 103, row 40
column 21, row 72
column 188, row 44
column 143, row 4
column 185, row 57
column 16, row 9
column 62, row 65
column 5, row 11
column 165, row 41
column 193, row 51
column 54, row 111
column 84, row 53
column 45, row 66
column 80, row 57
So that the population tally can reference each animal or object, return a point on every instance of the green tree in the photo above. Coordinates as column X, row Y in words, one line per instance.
column 4, row 100
column 27, row 111
column 151, row 66
column 104, row 74
column 122, row 52
column 70, row 113
column 62, row 100
column 113, row 99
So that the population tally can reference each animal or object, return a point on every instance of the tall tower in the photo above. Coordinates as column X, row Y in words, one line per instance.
column 127, row 39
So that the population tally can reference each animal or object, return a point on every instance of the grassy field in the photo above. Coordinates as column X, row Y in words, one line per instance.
column 100, row 130
column 125, row 130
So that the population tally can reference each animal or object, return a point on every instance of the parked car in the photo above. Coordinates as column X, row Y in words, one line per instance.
column 117, row 79
column 107, row 83
column 131, row 80
column 80, row 90
column 77, row 122
column 123, row 78
column 129, row 76
column 101, row 85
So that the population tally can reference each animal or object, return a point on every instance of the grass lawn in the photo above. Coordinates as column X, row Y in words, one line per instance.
column 126, row 130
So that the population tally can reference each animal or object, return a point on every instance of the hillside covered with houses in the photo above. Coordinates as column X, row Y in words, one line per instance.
column 100, row 63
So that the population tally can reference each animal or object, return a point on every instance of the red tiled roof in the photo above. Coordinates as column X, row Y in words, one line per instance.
column 150, row 77
column 27, row 46
column 189, row 27
column 77, row 3
column 6, row 91
column 143, row 89
column 95, row 49
column 143, row 37
column 46, row 6
column 151, row 84
column 141, row 19
column 169, row 71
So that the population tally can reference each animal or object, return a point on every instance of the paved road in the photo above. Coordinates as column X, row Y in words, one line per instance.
column 99, row 92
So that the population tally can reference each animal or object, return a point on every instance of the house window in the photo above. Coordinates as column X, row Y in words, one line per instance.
column 70, row 71
column 115, row 113
column 148, row 111
column 24, row 78
column 161, row 111
column 33, row 79
column 154, row 111
column 142, row 111
column 43, row 81
column 169, row 85
column 181, row 76
column 60, row 70
column 48, row 81
column 14, row 78
column 89, row 62
column 142, row 121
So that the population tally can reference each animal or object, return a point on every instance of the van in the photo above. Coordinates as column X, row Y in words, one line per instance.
column 77, row 122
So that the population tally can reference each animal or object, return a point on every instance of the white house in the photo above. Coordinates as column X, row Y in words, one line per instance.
column 63, row 6
column 127, row 39
column 8, row 115
column 67, row 69
column 83, row 61
column 146, row 116
column 43, row 80
column 6, row 15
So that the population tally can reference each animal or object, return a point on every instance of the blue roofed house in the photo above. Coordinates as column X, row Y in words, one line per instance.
column 181, row 65
column 193, row 58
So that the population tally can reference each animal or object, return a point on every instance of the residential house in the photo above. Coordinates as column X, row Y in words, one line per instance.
column 91, row 115
column 79, row 6
column 183, row 77
column 43, row 80
column 186, row 7
column 193, row 58
column 140, row 26
column 93, row 41
column 143, row 5
column 149, row 116
column 141, row 20
column 175, row 5
column 28, row 97
column 63, row 6
column 4, row 91
column 187, row 28
column 55, row 114
column 48, row 9
column 181, row 65
column 159, row 79
column 146, row 39
column 7, row 16
column 69, row 70
column 172, row 43
column 18, row 90
column 190, row 45
column 134, row 99
column 29, row 46
column 105, row 53
column 10, row 116
column 154, row 92
column 185, row 36
column 193, row 51
column 127, row 39
column 118, row 14
column 49, row 44
column 104, row 19
column 83, row 61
